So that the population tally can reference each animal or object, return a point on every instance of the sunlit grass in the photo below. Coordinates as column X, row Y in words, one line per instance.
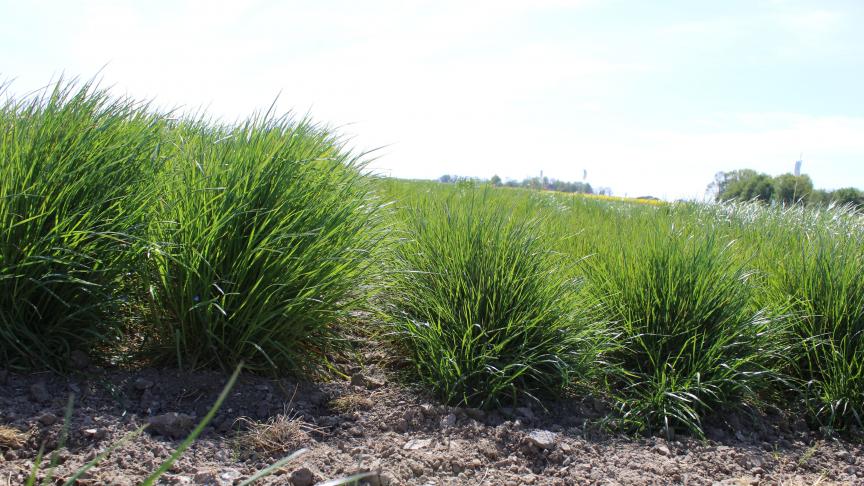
column 72, row 159
column 259, row 244
column 481, row 305
column 681, row 305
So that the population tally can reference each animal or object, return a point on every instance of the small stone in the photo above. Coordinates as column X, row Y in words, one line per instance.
column 47, row 419
column 844, row 456
column 142, row 384
column 39, row 393
column 401, row 426
column 386, row 479
column 417, row 469
column 361, row 380
column 95, row 434
column 850, row 470
column 415, row 444
column 228, row 476
column 662, row 449
column 526, row 412
column 448, row 421
column 174, row 425
column 79, row 359
column 205, row 476
column 543, row 439
column 302, row 477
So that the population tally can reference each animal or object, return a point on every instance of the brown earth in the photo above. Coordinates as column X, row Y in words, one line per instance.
column 374, row 425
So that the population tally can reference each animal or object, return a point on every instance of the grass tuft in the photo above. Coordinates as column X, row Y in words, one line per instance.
column 680, row 302
column 72, row 159
column 280, row 434
column 260, row 245
column 480, row 304
column 817, row 280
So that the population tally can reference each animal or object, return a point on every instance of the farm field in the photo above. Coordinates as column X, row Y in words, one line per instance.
column 412, row 331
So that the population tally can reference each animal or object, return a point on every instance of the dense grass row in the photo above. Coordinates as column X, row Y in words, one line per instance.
column 675, row 311
column 213, row 244
column 127, row 232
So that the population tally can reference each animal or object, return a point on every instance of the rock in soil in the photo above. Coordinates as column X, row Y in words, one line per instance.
column 365, row 381
column 302, row 477
column 542, row 439
column 174, row 425
column 47, row 419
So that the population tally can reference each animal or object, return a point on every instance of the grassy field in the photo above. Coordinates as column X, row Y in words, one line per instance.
column 140, row 238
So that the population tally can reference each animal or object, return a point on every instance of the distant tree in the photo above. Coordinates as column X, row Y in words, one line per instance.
column 820, row 197
column 790, row 189
column 533, row 183
column 742, row 185
column 786, row 189
column 847, row 195
column 530, row 183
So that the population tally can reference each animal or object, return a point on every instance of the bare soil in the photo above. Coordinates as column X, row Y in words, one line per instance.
column 372, row 424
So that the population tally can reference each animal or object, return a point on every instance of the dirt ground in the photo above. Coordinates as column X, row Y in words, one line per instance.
column 372, row 424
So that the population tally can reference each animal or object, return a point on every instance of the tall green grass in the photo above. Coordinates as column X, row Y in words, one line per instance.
column 71, row 163
column 257, row 241
column 815, row 277
column 680, row 300
column 260, row 243
column 480, row 304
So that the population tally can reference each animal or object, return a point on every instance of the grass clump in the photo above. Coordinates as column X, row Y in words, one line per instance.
column 72, row 159
column 11, row 438
column 280, row 434
column 479, row 302
column 818, row 280
column 690, row 340
column 260, row 244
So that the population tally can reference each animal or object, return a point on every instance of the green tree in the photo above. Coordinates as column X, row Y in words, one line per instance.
column 495, row 180
column 847, row 195
column 790, row 189
column 820, row 197
column 742, row 185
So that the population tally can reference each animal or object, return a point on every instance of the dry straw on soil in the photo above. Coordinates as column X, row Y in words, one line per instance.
column 283, row 433
column 11, row 438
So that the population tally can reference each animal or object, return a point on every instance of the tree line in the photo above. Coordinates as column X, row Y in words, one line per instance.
column 786, row 189
column 544, row 183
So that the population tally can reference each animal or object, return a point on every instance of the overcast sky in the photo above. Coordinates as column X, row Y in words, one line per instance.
column 650, row 97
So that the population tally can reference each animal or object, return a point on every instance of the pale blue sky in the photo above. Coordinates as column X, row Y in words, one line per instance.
column 648, row 97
